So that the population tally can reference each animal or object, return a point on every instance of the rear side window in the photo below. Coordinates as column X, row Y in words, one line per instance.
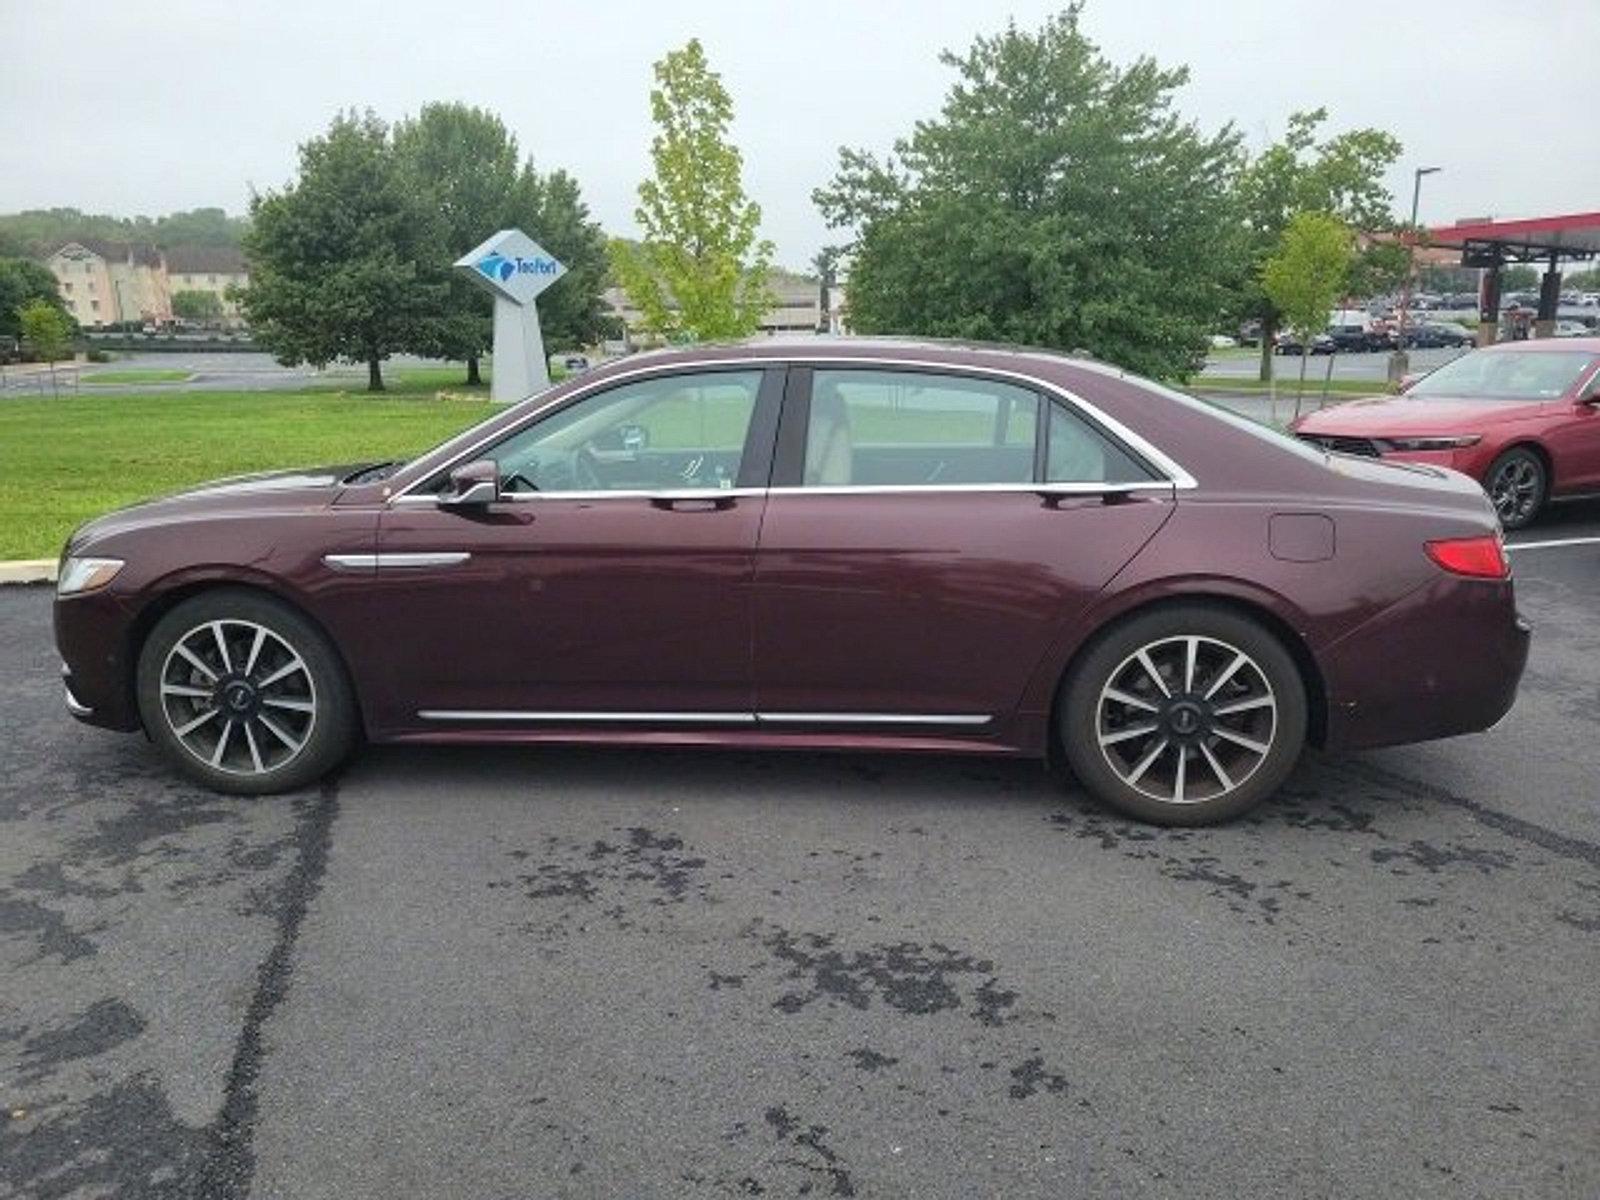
column 908, row 428
column 1077, row 452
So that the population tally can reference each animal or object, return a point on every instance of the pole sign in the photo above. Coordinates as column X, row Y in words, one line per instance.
column 514, row 269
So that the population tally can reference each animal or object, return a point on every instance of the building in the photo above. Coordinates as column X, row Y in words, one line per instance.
column 111, row 283
column 796, row 308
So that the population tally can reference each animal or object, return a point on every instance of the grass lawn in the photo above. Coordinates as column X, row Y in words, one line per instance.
column 65, row 460
column 137, row 375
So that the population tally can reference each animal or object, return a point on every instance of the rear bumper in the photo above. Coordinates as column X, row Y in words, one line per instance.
column 1446, row 660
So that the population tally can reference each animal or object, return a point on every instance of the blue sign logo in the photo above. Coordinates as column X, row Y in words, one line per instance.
column 500, row 268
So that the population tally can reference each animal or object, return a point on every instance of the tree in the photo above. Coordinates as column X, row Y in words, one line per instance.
column 1056, row 200
column 343, row 262
column 1518, row 278
column 1583, row 281
column 194, row 304
column 468, row 165
column 1342, row 175
column 826, row 264
column 699, row 269
column 46, row 329
column 1306, row 275
column 22, row 281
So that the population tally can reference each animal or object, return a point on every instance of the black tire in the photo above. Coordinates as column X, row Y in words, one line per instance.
column 1269, row 691
column 286, row 734
column 1518, row 484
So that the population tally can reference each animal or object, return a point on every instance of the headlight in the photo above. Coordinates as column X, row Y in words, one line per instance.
column 86, row 574
column 1435, row 443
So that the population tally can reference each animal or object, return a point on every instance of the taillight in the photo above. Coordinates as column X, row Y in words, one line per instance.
column 1479, row 557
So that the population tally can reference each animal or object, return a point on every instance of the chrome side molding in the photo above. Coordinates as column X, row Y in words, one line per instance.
column 395, row 560
column 702, row 718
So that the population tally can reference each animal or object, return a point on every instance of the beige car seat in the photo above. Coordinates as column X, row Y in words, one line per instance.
column 830, row 453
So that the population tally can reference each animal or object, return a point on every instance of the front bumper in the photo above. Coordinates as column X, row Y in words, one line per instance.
column 92, row 637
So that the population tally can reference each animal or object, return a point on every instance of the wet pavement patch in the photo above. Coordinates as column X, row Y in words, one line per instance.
column 99, row 1028
column 611, row 871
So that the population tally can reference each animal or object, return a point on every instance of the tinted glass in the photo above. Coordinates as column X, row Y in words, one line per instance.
column 1079, row 453
column 670, row 433
column 908, row 428
column 1519, row 375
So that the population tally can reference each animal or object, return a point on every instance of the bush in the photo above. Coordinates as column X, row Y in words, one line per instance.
column 96, row 355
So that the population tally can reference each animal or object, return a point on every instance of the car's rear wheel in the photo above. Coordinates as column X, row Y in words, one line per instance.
column 244, row 694
column 1517, row 484
column 1184, row 715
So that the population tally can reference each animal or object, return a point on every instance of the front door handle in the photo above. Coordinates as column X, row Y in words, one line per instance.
column 693, row 503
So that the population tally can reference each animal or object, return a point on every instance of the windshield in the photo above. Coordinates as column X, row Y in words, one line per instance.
column 1523, row 375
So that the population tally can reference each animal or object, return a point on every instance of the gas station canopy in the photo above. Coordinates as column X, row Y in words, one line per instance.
column 1488, row 243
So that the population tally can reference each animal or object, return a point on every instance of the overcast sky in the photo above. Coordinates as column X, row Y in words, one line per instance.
column 148, row 107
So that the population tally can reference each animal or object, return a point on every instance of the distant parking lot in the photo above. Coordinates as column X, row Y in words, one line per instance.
column 496, row 973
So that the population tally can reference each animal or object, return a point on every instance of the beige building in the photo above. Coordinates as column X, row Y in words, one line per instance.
column 797, row 307
column 108, row 283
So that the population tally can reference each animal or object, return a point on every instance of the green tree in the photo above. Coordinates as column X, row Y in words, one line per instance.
column 1306, row 275
column 1583, row 281
column 47, row 331
column 22, row 281
column 551, row 209
column 1342, row 175
column 343, row 262
column 194, row 304
column 700, row 268
column 1519, row 278
column 1056, row 200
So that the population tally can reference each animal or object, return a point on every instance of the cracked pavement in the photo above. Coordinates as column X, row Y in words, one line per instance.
column 539, row 973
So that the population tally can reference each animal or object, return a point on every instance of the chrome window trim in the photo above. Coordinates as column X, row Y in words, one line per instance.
column 396, row 560
column 1176, row 475
column 557, row 716
column 844, row 489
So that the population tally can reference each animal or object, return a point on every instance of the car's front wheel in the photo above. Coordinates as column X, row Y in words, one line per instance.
column 244, row 694
column 1184, row 715
column 1517, row 483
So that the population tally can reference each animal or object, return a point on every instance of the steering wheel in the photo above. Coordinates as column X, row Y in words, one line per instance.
column 586, row 470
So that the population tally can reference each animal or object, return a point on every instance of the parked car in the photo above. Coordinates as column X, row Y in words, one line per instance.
column 846, row 544
column 1439, row 334
column 1522, row 418
column 1571, row 329
column 1293, row 343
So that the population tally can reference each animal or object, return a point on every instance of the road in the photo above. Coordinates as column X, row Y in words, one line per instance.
column 1372, row 367
column 577, row 973
column 222, row 372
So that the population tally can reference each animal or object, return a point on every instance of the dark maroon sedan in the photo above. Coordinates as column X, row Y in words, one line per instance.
column 836, row 544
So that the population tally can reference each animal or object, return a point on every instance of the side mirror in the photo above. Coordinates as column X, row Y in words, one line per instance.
column 472, row 484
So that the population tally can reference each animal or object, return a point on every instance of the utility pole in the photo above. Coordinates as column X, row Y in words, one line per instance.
column 1399, row 360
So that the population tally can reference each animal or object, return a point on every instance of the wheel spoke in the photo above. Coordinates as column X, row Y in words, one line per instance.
column 278, row 732
column 1239, row 706
column 1148, row 761
column 283, row 672
column 183, row 689
column 255, row 650
column 1191, row 653
column 300, row 706
column 1178, row 775
column 196, row 661
column 1150, row 669
column 222, row 745
column 189, row 727
column 1129, row 699
column 255, row 753
column 1239, row 660
column 1216, row 768
column 1122, row 735
column 222, row 646
column 1239, row 739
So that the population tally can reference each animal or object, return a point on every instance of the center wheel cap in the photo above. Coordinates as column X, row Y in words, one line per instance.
column 1186, row 719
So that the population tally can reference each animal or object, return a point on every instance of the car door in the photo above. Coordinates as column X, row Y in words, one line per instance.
column 610, row 582
column 927, row 536
column 1573, row 437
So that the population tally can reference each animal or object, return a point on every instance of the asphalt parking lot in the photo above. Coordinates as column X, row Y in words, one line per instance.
column 514, row 975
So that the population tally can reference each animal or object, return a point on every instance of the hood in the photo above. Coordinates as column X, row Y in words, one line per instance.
column 304, row 488
column 1383, row 416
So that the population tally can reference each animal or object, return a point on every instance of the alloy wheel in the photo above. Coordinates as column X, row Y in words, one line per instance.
column 1186, row 719
column 1515, row 488
column 238, row 697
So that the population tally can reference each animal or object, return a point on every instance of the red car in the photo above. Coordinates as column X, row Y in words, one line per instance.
column 832, row 544
column 1522, row 418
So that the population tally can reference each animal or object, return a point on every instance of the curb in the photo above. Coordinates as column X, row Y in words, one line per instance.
column 29, row 570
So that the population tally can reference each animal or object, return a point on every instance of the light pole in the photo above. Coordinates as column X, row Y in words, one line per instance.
column 1400, row 361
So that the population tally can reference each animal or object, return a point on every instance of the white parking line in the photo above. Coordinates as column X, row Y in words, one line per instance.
column 1553, row 544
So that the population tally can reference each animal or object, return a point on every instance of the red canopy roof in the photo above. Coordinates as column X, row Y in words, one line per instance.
column 1576, row 235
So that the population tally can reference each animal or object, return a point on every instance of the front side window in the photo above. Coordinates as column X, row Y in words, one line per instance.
column 906, row 428
column 673, row 432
